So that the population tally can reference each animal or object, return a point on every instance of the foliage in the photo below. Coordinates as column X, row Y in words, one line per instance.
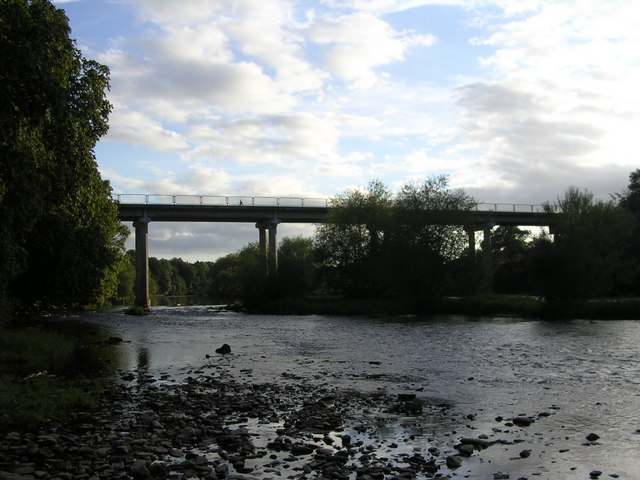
column 373, row 244
column 587, row 258
column 177, row 277
column 630, row 198
column 629, row 201
column 255, row 286
column 349, row 245
column 225, row 279
column 422, row 249
column 296, row 267
column 60, row 238
column 511, row 260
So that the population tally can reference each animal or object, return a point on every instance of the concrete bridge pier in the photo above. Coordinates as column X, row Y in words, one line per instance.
column 471, row 233
column 262, row 244
column 141, row 226
column 487, row 261
column 486, row 285
column 269, row 246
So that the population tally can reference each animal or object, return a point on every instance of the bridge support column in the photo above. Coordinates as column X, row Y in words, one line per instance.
column 487, row 264
column 471, row 234
column 273, row 246
column 269, row 246
column 262, row 244
column 142, row 263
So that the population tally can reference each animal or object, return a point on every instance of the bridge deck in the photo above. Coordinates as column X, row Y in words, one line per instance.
column 314, row 214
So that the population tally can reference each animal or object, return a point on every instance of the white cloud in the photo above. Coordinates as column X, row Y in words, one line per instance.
column 563, row 102
column 286, row 97
column 137, row 129
column 360, row 41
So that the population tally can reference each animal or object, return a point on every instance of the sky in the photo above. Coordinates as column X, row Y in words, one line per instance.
column 513, row 100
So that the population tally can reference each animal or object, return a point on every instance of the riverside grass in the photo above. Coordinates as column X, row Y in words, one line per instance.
column 39, row 378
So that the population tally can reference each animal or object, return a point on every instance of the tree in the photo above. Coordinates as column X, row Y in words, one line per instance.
column 127, row 277
column 510, row 255
column 587, row 258
column 349, row 245
column 422, row 248
column 630, row 198
column 296, row 267
column 224, row 278
column 629, row 201
column 255, row 286
column 60, row 239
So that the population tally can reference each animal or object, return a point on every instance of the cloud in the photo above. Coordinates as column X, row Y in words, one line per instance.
column 360, row 41
column 270, row 97
column 563, row 101
column 135, row 128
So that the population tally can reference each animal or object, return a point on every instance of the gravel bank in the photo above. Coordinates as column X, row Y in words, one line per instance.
column 213, row 425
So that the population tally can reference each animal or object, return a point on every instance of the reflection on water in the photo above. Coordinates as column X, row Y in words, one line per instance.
column 179, row 300
column 144, row 358
column 585, row 374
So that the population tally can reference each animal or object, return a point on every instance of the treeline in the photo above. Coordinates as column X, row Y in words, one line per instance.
column 237, row 277
column 377, row 244
column 61, row 243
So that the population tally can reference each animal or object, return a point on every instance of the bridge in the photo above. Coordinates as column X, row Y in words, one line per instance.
column 268, row 212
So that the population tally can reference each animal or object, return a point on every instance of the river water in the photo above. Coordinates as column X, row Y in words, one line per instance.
column 583, row 376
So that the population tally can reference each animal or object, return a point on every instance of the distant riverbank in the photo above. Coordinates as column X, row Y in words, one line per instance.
column 477, row 305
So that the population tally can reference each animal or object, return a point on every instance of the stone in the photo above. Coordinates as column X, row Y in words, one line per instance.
column 465, row 449
column 595, row 473
column 476, row 442
column 592, row 437
column 454, row 461
column 139, row 470
column 158, row 470
column 301, row 449
column 224, row 349
column 525, row 453
column 522, row 421
column 406, row 397
column 10, row 476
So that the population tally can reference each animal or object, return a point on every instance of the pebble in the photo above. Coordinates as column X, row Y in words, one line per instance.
column 202, row 429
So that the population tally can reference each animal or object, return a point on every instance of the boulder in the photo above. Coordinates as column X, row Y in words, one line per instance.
column 224, row 349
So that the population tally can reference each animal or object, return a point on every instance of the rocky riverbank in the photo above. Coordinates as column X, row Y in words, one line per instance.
column 212, row 425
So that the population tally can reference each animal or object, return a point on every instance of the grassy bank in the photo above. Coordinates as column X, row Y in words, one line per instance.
column 477, row 305
column 44, row 371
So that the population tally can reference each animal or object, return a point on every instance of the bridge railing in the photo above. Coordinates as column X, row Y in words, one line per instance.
column 509, row 207
column 218, row 200
column 258, row 201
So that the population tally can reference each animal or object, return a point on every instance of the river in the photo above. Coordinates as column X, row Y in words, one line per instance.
column 572, row 377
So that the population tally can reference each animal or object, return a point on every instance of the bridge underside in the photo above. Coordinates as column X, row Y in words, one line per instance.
column 267, row 219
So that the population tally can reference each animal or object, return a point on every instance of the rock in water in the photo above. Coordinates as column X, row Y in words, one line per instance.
column 522, row 421
column 224, row 349
column 454, row 461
